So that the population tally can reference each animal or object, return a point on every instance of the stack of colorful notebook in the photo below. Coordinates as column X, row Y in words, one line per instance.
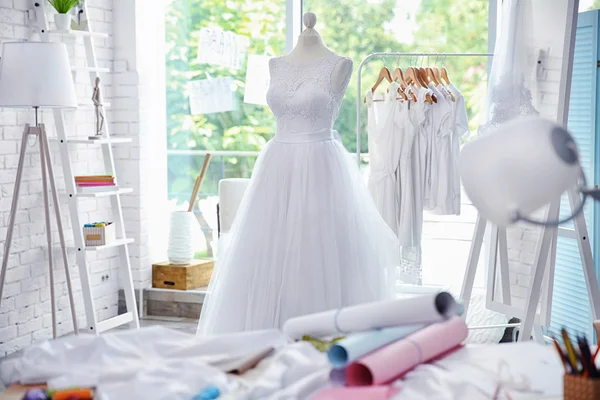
column 95, row 183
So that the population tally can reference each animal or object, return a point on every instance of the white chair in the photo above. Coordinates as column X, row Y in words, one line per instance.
column 231, row 192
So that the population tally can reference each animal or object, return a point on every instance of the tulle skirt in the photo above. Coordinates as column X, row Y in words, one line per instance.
column 307, row 237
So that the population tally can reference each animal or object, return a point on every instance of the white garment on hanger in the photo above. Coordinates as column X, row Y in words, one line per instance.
column 461, row 132
column 416, row 124
column 439, row 154
column 383, row 155
column 425, row 139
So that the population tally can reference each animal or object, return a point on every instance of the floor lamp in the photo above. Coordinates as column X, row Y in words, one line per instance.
column 38, row 75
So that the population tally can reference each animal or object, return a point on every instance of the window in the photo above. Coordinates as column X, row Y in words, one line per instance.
column 353, row 28
column 235, row 136
column 586, row 5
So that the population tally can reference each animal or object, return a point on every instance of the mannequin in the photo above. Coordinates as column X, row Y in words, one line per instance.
column 310, row 47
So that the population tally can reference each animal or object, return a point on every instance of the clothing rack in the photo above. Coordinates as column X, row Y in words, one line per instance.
column 498, row 235
column 390, row 55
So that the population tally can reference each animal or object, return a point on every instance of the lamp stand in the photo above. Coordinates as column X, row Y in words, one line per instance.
column 39, row 131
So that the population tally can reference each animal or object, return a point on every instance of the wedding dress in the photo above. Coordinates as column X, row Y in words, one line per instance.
column 307, row 236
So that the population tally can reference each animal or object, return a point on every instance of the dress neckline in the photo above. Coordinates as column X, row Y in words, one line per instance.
column 308, row 63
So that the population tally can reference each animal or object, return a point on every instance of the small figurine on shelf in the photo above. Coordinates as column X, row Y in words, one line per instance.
column 80, row 22
column 97, row 99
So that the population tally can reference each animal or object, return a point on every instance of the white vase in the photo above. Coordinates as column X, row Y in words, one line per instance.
column 63, row 22
column 181, row 232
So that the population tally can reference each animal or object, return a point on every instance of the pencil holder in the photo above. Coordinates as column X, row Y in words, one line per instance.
column 580, row 388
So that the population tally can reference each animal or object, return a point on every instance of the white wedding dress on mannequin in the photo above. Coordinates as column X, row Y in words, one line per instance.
column 307, row 236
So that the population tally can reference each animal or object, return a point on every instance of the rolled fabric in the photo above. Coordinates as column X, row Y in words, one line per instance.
column 338, row 376
column 394, row 360
column 231, row 192
column 357, row 393
column 381, row 314
column 352, row 348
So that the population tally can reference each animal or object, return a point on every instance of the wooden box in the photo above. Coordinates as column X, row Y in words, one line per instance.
column 182, row 277
column 580, row 388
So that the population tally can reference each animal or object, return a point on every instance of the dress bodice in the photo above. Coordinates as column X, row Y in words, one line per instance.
column 303, row 98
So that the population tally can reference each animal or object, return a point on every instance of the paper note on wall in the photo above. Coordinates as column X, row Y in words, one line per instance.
column 257, row 79
column 212, row 95
column 223, row 48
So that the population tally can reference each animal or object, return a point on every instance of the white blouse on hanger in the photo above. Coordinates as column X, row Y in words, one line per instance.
column 461, row 132
column 383, row 156
column 438, row 149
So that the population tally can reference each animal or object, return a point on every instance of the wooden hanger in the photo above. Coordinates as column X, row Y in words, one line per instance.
column 398, row 76
column 444, row 77
column 436, row 73
column 444, row 74
column 431, row 76
column 384, row 73
column 412, row 78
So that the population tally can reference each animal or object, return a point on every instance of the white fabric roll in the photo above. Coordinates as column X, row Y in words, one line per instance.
column 231, row 192
column 424, row 309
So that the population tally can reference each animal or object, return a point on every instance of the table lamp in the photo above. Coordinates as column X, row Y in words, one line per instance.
column 37, row 75
column 521, row 166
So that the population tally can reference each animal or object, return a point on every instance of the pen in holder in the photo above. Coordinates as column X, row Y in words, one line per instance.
column 582, row 377
column 577, row 387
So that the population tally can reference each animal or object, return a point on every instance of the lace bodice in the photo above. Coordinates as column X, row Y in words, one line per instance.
column 509, row 100
column 302, row 97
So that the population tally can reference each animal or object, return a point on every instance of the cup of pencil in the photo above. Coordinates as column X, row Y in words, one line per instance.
column 582, row 377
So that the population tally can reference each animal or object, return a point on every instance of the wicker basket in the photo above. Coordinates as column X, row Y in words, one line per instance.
column 579, row 388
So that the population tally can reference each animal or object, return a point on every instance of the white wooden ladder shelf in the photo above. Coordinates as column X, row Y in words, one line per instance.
column 41, row 25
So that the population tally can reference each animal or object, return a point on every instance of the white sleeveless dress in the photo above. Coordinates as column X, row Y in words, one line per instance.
column 307, row 236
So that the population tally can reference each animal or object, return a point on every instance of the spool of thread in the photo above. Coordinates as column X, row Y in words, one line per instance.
column 208, row 393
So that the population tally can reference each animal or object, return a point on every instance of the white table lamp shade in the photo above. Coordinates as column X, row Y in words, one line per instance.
column 36, row 74
column 523, row 165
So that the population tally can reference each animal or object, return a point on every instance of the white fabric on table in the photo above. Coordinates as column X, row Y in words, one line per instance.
column 159, row 363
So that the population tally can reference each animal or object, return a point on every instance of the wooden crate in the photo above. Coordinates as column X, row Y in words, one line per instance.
column 182, row 277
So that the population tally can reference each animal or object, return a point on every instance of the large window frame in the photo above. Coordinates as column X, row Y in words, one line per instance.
column 294, row 10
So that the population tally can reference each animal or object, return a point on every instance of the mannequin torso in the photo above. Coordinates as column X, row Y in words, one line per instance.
column 310, row 48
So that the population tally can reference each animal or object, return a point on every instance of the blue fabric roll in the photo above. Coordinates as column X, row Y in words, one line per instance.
column 353, row 347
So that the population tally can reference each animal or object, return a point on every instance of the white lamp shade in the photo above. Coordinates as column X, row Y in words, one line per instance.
column 36, row 74
column 521, row 166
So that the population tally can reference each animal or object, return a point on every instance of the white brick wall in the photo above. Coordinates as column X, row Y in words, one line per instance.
column 25, row 309
column 140, row 98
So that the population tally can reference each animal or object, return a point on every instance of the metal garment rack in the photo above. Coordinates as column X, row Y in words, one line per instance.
column 498, row 235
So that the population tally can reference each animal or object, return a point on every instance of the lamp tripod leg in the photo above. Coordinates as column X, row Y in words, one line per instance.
column 13, row 210
column 61, row 234
column 48, row 229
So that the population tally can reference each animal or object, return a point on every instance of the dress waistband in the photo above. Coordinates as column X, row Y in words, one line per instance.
column 306, row 137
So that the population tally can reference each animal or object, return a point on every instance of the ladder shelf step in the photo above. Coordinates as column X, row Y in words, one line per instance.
column 105, row 193
column 90, row 106
column 85, row 140
column 114, row 322
column 89, row 69
column 116, row 243
column 77, row 33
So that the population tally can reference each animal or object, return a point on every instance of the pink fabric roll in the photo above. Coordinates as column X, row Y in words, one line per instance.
column 356, row 393
column 396, row 359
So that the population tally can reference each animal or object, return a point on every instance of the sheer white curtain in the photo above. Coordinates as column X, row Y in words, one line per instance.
column 514, row 67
